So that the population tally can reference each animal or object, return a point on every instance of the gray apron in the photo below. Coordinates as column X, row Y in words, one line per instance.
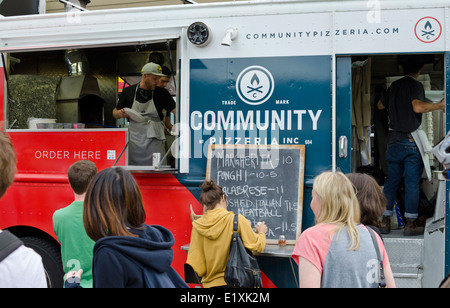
column 146, row 137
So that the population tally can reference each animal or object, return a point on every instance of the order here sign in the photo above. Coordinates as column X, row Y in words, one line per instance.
column 55, row 151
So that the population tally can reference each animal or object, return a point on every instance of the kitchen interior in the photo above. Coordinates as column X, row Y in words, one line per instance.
column 371, row 76
column 76, row 88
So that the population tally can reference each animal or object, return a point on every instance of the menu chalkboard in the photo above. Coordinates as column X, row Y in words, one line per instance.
column 263, row 183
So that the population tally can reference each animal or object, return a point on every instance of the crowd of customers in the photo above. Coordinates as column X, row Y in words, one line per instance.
column 105, row 241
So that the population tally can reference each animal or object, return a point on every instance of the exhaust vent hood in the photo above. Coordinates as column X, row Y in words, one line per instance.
column 79, row 98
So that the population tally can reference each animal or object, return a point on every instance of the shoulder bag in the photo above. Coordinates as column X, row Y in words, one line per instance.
column 242, row 270
column 382, row 281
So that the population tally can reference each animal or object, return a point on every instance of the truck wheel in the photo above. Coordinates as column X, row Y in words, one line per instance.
column 51, row 258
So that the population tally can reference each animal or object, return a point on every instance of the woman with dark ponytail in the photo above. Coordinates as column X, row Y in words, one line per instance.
column 211, row 236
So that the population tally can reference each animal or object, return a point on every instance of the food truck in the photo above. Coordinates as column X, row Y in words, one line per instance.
column 244, row 73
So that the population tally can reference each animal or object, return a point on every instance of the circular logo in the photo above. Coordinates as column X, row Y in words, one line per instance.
column 428, row 29
column 255, row 85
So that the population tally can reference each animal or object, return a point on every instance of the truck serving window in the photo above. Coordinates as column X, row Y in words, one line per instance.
column 67, row 90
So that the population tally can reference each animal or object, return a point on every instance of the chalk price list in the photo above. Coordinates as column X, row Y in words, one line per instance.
column 258, row 188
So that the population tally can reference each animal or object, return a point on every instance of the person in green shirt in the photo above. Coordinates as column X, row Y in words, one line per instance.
column 76, row 246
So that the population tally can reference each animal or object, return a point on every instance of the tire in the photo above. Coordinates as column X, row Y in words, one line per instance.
column 51, row 258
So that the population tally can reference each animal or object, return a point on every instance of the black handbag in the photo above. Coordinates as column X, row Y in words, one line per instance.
column 242, row 270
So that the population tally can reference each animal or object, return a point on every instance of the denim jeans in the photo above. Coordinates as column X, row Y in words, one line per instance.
column 403, row 157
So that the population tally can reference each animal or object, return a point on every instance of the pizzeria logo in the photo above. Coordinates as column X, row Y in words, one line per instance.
column 428, row 29
column 255, row 85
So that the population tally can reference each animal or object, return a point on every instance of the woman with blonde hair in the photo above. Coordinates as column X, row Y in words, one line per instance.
column 338, row 251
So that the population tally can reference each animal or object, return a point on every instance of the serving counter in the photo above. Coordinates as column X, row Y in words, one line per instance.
column 275, row 260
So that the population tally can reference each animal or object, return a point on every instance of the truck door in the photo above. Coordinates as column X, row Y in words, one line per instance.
column 343, row 114
column 430, row 252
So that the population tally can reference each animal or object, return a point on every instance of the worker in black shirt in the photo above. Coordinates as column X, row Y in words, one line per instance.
column 147, row 129
column 405, row 102
column 162, row 83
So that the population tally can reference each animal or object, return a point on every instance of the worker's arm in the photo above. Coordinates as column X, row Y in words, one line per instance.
column 423, row 107
column 119, row 113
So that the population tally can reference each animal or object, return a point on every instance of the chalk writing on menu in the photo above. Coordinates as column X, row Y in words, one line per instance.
column 263, row 183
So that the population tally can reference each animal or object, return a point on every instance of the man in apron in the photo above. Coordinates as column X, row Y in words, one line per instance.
column 147, row 102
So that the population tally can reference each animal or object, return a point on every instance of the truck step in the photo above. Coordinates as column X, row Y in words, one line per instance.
column 406, row 258
column 405, row 280
column 404, row 251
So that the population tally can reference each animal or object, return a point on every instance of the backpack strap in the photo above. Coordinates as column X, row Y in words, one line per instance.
column 235, row 223
column 8, row 244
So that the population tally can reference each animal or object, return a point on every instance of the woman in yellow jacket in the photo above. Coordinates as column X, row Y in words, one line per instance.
column 211, row 236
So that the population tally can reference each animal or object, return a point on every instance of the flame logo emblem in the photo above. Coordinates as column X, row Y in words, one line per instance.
column 255, row 85
column 255, row 80
column 428, row 29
